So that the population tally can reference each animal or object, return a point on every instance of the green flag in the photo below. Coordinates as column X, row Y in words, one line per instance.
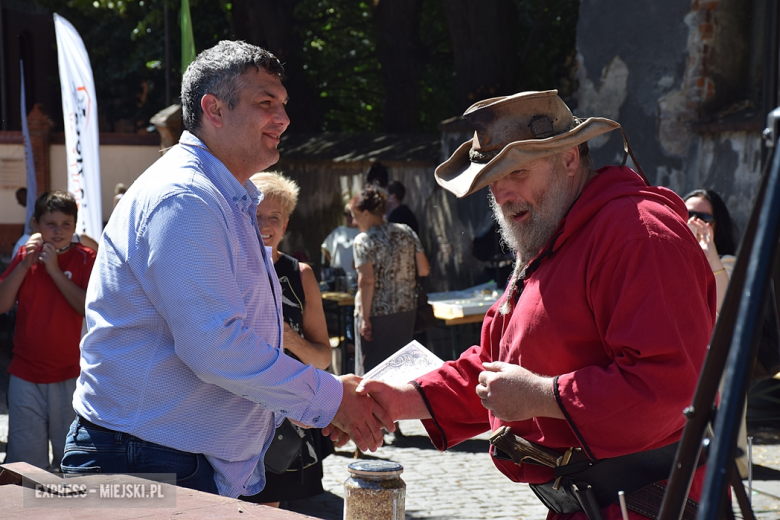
column 187, row 41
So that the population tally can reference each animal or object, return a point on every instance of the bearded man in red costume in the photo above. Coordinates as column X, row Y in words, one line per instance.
column 595, row 348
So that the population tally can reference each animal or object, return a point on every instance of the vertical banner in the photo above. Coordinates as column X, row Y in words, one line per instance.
column 79, row 111
column 187, row 39
column 32, row 182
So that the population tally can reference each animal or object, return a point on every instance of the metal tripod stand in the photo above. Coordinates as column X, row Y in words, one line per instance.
column 754, row 285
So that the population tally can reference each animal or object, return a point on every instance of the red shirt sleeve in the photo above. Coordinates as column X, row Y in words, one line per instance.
column 450, row 393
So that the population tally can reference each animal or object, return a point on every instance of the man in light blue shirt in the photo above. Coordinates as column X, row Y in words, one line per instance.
column 182, row 369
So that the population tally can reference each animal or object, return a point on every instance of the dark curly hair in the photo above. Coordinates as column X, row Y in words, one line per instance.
column 378, row 174
column 218, row 71
column 56, row 200
column 372, row 198
column 725, row 237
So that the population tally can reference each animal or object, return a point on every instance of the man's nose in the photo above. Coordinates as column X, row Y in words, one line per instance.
column 281, row 117
column 502, row 191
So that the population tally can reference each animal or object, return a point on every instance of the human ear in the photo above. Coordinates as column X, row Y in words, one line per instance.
column 571, row 160
column 212, row 109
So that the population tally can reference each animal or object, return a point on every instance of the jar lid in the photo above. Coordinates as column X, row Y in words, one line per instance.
column 377, row 468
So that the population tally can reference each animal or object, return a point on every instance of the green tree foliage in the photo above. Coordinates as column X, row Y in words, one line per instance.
column 126, row 46
column 332, row 55
column 338, row 55
column 549, row 44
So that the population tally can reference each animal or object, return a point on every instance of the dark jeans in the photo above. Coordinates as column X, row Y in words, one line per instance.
column 91, row 449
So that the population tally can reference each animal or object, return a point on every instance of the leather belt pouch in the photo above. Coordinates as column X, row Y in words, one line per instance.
column 561, row 500
column 284, row 449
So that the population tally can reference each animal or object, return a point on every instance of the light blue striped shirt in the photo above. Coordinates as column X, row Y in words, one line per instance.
column 185, row 323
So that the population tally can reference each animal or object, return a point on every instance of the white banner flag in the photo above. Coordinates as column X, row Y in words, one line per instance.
column 79, row 110
column 32, row 182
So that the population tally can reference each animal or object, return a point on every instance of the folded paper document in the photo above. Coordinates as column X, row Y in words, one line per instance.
column 409, row 363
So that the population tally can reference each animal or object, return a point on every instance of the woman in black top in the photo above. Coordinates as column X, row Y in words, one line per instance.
column 305, row 335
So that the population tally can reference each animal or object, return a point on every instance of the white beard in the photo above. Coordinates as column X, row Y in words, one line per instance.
column 527, row 238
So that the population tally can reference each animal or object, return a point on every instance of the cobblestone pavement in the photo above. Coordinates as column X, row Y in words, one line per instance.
column 463, row 484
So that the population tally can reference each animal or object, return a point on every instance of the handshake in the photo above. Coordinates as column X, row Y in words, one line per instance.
column 367, row 406
column 509, row 392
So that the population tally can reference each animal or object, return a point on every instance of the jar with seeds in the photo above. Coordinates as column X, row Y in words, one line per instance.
column 374, row 491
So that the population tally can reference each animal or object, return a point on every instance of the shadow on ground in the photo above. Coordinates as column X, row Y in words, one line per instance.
column 326, row 506
column 764, row 473
column 424, row 443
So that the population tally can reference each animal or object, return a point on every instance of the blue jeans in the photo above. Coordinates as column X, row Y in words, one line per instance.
column 89, row 450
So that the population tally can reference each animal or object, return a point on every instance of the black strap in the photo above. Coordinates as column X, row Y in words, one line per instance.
column 638, row 475
column 628, row 473
column 587, row 499
column 626, row 152
column 93, row 426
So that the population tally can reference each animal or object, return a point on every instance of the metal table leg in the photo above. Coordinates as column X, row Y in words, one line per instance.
column 345, row 313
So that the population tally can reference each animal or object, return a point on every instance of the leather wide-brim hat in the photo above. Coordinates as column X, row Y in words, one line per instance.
column 510, row 132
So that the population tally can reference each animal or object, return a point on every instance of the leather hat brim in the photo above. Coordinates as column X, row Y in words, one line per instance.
column 462, row 177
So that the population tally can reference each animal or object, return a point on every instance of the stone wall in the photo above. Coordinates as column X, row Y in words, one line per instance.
column 684, row 80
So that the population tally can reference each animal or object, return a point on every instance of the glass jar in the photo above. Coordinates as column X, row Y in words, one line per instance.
column 374, row 491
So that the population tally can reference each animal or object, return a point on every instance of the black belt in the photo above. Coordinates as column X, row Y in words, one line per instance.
column 94, row 426
column 582, row 484
column 638, row 474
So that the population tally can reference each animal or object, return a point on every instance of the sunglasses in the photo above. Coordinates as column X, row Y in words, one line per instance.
column 706, row 217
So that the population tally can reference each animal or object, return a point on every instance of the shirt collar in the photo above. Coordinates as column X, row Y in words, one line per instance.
column 244, row 197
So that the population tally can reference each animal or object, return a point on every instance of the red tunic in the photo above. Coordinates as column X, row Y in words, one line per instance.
column 48, row 329
column 621, row 312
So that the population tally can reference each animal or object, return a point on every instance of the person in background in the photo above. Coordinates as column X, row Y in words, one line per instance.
column 488, row 247
column 21, row 197
column 305, row 334
column 182, row 369
column 388, row 258
column 86, row 241
column 711, row 224
column 378, row 175
column 337, row 246
column 119, row 190
column 79, row 238
column 48, row 278
column 397, row 211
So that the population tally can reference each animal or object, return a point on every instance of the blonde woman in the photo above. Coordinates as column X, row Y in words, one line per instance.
column 305, row 334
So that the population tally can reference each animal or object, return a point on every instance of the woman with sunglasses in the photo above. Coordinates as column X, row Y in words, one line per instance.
column 710, row 221
column 711, row 224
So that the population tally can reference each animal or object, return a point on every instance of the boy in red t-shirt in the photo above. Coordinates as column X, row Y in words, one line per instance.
column 48, row 277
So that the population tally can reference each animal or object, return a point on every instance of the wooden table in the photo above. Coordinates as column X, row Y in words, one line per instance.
column 345, row 303
column 460, row 308
column 462, row 320
column 341, row 298
column 28, row 492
